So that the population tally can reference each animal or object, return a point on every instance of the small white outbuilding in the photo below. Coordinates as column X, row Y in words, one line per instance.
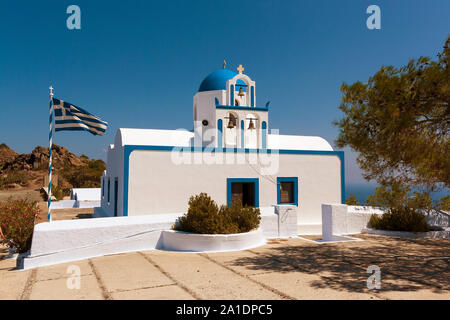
column 85, row 194
column 229, row 154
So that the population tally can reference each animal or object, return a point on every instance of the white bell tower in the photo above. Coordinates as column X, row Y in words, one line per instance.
column 225, row 111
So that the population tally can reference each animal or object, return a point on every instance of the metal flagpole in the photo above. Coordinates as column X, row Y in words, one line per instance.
column 50, row 137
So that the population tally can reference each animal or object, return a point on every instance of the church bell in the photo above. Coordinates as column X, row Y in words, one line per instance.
column 251, row 125
column 230, row 124
column 241, row 92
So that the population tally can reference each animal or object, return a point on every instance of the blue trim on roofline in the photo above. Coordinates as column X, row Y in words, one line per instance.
column 128, row 149
column 295, row 191
column 251, row 180
column 219, row 106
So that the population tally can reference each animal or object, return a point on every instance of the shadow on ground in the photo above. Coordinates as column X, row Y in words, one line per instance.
column 84, row 215
column 405, row 264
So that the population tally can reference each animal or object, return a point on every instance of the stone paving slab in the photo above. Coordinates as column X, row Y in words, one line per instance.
column 396, row 288
column 415, row 247
column 58, row 289
column 282, row 269
column 300, row 285
column 170, row 292
column 64, row 270
column 207, row 279
column 12, row 283
column 228, row 259
column 7, row 264
column 128, row 272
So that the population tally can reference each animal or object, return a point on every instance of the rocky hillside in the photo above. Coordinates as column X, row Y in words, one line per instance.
column 38, row 159
column 28, row 170
column 6, row 154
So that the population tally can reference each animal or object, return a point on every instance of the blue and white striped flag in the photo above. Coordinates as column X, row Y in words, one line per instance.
column 70, row 117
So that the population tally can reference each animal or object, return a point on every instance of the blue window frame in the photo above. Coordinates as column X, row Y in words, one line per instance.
column 255, row 182
column 242, row 134
column 294, row 181
column 264, row 135
column 219, row 133
column 231, row 95
column 116, row 193
column 109, row 189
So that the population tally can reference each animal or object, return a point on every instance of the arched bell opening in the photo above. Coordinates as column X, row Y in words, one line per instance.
column 251, row 131
column 231, row 130
column 241, row 93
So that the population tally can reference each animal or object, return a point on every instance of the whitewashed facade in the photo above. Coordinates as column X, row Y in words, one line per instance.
column 229, row 154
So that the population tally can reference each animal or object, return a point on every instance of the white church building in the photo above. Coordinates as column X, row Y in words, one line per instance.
column 231, row 153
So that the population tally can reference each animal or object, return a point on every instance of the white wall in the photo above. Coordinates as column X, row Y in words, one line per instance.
column 157, row 185
column 114, row 169
column 205, row 105
column 243, row 115
column 88, row 194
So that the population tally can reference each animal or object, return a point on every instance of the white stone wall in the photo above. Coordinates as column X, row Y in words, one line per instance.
column 85, row 194
column 341, row 219
column 157, row 185
column 114, row 169
column 287, row 220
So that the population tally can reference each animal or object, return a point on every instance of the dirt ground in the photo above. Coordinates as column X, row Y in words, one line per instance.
column 57, row 214
column 31, row 194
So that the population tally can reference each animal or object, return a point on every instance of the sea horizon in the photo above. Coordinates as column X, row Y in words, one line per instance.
column 362, row 190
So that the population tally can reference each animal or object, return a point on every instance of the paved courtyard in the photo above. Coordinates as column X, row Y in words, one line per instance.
column 282, row 269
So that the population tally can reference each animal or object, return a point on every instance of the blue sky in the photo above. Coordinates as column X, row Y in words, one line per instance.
column 138, row 63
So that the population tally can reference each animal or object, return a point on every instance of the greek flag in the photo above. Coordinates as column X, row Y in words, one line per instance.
column 70, row 117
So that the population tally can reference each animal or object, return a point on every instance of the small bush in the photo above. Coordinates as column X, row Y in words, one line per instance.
column 391, row 196
column 351, row 200
column 14, row 178
column 444, row 203
column 86, row 176
column 17, row 219
column 400, row 219
column 205, row 217
column 421, row 201
column 58, row 193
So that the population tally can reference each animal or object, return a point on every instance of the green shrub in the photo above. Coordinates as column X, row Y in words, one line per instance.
column 14, row 178
column 400, row 218
column 205, row 217
column 444, row 203
column 17, row 219
column 57, row 192
column 351, row 200
column 391, row 196
column 86, row 176
column 421, row 201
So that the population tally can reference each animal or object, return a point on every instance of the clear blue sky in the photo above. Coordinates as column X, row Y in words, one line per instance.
column 139, row 63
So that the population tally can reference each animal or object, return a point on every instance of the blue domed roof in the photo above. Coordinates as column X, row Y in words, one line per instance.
column 217, row 80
